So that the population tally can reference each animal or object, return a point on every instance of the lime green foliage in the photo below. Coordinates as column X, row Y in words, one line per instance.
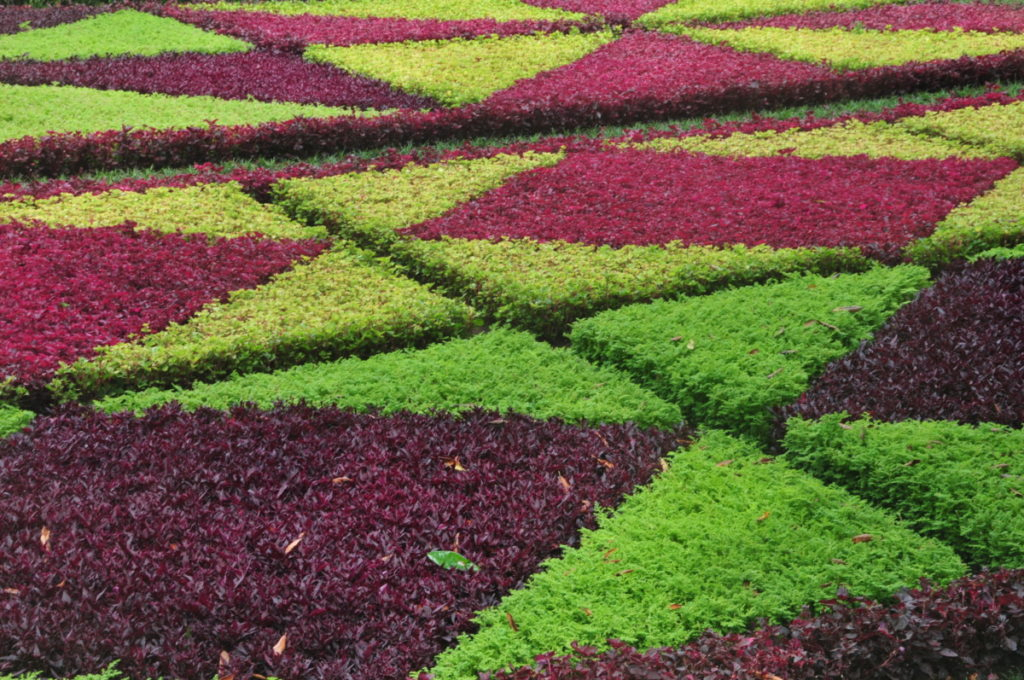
column 958, row 483
column 999, row 127
column 999, row 253
column 461, row 71
column 341, row 303
column 109, row 673
column 125, row 32
column 543, row 287
column 726, row 10
column 727, row 358
column 502, row 370
column 501, row 10
column 993, row 219
column 13, row 419
column 218, row 209
column 852, row 138
column 39, row 109
column 845, row 49
column 720, row 539
column 368, row 206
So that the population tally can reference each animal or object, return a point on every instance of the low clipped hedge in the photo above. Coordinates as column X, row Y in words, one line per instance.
column 727, row 359
column 13, row 419
column 961, row 484
column 721, row 539
column 729, row 10
column 996, row 127
column 503, row 370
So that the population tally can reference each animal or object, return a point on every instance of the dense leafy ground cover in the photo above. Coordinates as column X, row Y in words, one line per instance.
column 279, row 401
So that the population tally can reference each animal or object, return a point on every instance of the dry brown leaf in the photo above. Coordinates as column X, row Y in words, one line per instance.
column 862, row 538
column 281, row 645
column 724, row 463
column 12, row 591
column 341, row 480
column 565, row 483
column 765, row 516
column 294, row 544
column 512, row 622
column 675, row 606
column 44, row 538
column 664, row 464
column 454, row 463
column 848, row 308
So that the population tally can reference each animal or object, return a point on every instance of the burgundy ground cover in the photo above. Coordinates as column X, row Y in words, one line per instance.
column 67, row 291
column 969, row 629
column 615, row 11
column 955, row 353
column 938, row 16
column 264, row 76
column 646, row 197
column 295, row 32
column 13, row 18
column 187, row 544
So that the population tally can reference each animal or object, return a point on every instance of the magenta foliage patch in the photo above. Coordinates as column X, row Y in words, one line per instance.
column 650, row 72
column 615, row 11
column 184, row 544
column 67, row 291
column 260, row 75
column 647, row 197
column 295, row 32
column 938, row 16
column 13, row 18
column 954, row 353
column 973, row 626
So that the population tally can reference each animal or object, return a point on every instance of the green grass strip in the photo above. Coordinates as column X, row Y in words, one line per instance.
column 852, row 138
column 844, row 49
column 959, row 483
column 728, row 10
column 367, row 207
column 105, row 35
column 992, row 220
column 461, row 71
column 500, row 10
column 722, row 538
column 40, row 109
column 503, row 370
column 13, row 419
column 218, row 209
column 726, row 359
column 341, row 303
column 544, row 287
column 998, row 127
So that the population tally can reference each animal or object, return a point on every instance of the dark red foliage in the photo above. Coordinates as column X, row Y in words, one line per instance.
column 13, row 17
column 647, row 197
column 937, row 16
column 177, row 537
column 292, row 33
column 260, row 75
column 955, row 353
column 973, row 626
column 615, row 11
column 67, row 291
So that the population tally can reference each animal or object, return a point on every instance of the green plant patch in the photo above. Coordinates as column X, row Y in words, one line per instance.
column 502, row 370
column 544, row 287
column 41, row 109
column 722, row 538
column 727, row 359
column 994, row 219
column 341, row 303
column 844, row 49
column 999, row 253
column 852, row 138
column 461, row 71
column 999, row 127
column 112, row 34
column 728, row 10
column 368, row 206
column 500, row 10
column 13, row 419
column 962, row 484
column 218, row 209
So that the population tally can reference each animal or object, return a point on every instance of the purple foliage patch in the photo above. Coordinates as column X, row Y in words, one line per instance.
column 13, row 19
column 260, row 75
column 615, row 11
column 955, row 353
column 191, row 544
column 936, row 16
column 973, row 626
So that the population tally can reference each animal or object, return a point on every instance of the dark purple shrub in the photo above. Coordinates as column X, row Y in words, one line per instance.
column 13, row 18
column 954, row 353
column 936, row 16
column 67, row 291
column 975, row 625
column 615, row 11
column 264, row 76
column 184, row 544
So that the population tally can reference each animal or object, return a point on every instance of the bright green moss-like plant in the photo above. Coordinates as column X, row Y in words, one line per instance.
column 341, row 303
column 999, row 127
column 844, row 49
column 958, row 483
column 218, row 209
column 727, row 10
column 368, row 207
column 461, row 71
column 453, row 10
column 727, row 359
column 502, row 370
column 13, row 419
column 721, row 539
column 117, row 33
